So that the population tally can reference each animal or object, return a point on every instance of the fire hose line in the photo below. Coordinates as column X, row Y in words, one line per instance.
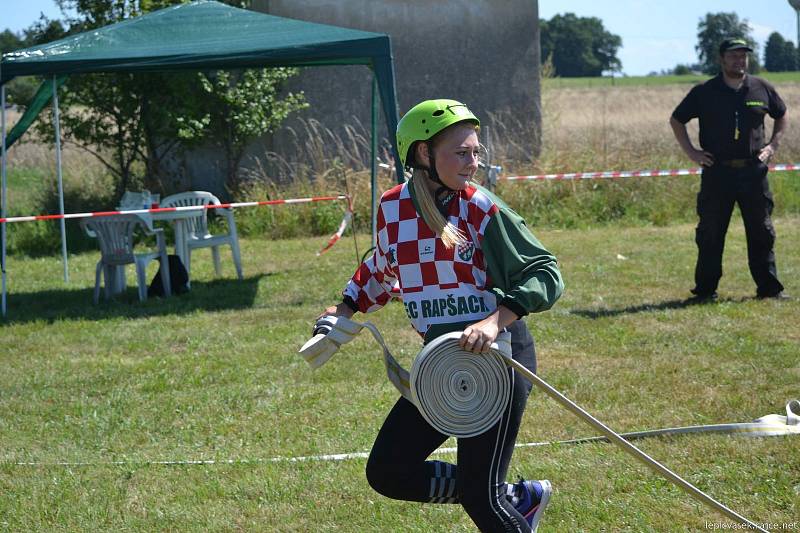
column 463, row 394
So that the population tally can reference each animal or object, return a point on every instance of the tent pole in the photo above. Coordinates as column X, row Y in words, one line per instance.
column 60, row 181
column 374, row 165
column 4, row 197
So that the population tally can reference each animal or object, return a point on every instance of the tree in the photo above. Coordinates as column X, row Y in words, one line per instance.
column 792, row 56
column 101, row 114
column 681, row 70
column 9, row 41
column 98, row 13
column 42, row 31
column 239, row 107
column 780, row 55
column 133, row 123
column 580, row 46
column 714, row 29
column 19, row 90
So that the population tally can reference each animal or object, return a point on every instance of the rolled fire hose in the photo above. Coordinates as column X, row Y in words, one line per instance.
column 444, row 390
column 457, row 393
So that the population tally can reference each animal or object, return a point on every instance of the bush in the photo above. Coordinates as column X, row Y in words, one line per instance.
column 82, row 193
column 21, row 90
column 296, row 220
column 584, row 203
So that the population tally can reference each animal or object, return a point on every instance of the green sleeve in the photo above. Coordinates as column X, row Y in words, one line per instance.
column 524, row 276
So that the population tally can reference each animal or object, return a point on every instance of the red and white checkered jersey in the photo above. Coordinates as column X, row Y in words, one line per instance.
column 436, row 285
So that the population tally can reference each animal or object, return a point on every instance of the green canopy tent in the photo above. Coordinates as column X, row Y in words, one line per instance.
column 200, row 35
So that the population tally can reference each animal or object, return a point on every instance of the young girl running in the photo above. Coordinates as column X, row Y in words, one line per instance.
column 443, row 238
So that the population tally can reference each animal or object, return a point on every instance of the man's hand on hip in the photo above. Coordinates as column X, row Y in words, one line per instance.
column 766, row 153
column 702, row 157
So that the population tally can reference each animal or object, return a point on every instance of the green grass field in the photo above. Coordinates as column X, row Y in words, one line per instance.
column 214, row 375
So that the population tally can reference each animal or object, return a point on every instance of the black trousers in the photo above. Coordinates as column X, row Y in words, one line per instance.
column 720, row 188
column 398, row 465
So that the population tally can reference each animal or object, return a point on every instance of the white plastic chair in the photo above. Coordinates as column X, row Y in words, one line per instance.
column 115, row 235
column 196, row 234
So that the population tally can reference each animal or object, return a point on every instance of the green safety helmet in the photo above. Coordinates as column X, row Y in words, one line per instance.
column 428, row 118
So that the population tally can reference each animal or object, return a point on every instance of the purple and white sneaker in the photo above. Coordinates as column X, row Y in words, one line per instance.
column 533, row 500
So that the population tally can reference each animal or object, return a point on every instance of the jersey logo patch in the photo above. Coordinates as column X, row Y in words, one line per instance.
column 466, row 251
column 755, row 103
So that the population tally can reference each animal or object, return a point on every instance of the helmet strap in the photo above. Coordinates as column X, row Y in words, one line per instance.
column 432, row 173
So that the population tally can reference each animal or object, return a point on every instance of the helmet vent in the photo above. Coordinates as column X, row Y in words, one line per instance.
column 438, row 113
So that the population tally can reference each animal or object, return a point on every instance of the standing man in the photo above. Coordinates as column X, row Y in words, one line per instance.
column 734, row 155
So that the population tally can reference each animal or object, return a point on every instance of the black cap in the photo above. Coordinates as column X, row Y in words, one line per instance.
column 735, row 43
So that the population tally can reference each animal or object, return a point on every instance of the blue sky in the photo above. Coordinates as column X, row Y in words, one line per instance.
column 656, row 34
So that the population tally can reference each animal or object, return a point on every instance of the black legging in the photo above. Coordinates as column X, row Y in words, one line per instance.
column 398, row 467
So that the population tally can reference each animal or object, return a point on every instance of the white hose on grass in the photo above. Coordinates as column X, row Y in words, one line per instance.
column 461, row 384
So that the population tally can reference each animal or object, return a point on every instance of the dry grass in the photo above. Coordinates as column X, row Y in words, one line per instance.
column 31, row 152
column 626, row 128
column 591, row 128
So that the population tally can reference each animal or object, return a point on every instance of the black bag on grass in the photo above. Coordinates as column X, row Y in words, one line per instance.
column 178, row 278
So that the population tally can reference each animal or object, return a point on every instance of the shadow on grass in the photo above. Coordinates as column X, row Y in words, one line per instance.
column 648, row 307
column 76, row 304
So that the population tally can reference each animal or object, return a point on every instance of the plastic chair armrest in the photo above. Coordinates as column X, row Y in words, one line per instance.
column 91, row 233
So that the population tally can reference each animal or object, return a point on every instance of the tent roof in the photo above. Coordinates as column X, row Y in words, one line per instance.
column 204, row 35
column 200, row 35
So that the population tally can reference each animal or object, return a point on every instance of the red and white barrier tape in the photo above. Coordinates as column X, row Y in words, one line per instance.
column 348, row 216
column 169, row 209
column 610, row 174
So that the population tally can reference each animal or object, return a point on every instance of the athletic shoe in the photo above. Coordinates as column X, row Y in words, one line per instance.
column 533, row 501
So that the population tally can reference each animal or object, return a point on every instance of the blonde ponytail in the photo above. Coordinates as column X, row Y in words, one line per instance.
column 451, row 236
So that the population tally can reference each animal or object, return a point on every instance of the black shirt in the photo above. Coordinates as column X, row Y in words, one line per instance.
column 731, row 120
